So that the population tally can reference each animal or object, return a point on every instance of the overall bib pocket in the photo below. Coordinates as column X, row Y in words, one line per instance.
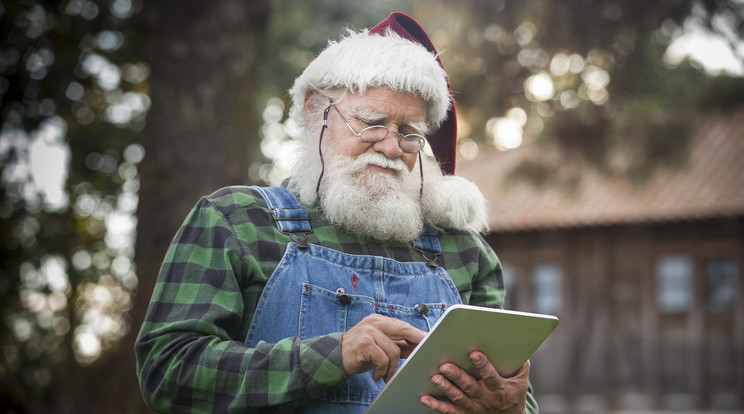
column 323, row 311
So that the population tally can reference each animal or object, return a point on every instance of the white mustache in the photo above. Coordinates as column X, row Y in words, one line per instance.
column 382, row 161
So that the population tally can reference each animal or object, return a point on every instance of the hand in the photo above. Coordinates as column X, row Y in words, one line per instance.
column 378, row 342
column 491, row 394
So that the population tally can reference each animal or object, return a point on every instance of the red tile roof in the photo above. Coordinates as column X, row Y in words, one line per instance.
column 710, row 184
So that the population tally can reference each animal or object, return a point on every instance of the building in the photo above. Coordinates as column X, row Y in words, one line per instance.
column 646, row 278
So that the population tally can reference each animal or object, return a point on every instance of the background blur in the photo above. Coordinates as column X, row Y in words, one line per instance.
column 607, row 136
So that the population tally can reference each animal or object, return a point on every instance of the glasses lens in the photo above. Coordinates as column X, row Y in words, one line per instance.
column 374, row 133
column 411, row 143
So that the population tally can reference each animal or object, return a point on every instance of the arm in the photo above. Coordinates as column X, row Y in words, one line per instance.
column 488, row 282
column 190, row 351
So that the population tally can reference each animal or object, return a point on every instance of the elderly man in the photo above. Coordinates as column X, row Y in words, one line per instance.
column 305, row 297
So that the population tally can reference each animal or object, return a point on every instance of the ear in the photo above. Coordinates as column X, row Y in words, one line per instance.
column 307, row 106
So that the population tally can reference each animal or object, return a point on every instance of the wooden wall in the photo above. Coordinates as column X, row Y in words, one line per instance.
column 616, row 349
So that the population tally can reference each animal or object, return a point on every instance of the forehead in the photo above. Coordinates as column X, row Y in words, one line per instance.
column 385, row 101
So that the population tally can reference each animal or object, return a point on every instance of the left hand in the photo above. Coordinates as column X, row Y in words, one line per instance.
column 492, row 393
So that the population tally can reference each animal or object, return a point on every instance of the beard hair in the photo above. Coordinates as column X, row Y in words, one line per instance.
column 379, row 205
column 384, row 206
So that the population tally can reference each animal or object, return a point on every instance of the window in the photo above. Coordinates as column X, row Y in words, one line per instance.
column 510, row 285
column 721, row 276
column 674, row 283
column 546, row 282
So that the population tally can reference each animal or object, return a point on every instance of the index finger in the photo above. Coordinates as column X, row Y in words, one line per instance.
column 398, row 330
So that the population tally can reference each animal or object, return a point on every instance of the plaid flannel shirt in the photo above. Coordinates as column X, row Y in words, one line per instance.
column 191, row 356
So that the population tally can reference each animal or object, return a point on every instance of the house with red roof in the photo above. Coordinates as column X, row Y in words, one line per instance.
column 645, row 276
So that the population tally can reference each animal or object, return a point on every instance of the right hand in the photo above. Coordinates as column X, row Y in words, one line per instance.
column 378, row 342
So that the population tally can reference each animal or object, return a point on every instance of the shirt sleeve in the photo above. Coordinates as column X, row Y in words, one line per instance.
column 531, row 406
column 190, row 351
column 488, row 282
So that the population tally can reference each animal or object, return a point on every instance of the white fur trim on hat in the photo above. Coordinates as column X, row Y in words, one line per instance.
column 361, row 60
column 452, row 202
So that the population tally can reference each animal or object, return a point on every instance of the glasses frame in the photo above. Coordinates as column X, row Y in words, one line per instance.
column 420, row 138
column 422, row 141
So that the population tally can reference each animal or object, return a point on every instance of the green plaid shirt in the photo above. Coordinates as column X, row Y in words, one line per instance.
column 190, row 352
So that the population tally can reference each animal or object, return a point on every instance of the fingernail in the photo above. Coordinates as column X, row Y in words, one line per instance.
column 447, row 371
column 476, row 358
column 425, row 402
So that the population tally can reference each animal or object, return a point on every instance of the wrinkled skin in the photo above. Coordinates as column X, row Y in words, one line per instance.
column 378, row 342
column 492, row 393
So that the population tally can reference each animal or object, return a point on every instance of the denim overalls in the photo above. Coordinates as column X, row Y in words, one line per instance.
column 316, row 291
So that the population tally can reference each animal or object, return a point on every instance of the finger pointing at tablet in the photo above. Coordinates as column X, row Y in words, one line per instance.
column 377, row 342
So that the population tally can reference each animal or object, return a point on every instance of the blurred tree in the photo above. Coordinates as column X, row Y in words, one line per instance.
column 66, row 287
column 73, row 101
column 297, row 31
column 201, row 127
column 587, row 76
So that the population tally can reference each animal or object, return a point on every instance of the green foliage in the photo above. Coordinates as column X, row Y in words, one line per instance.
column 623, row 111
column 492, row 49
column 297, row 31
column 73, row 102
column 71, row 77
column 721, row 92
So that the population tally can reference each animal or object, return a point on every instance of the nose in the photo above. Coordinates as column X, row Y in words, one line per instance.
column 389, row 146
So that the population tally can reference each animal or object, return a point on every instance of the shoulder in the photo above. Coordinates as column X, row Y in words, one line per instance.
column 468, row 250
column 464, row 241
column 232, row 197
column 237, row 205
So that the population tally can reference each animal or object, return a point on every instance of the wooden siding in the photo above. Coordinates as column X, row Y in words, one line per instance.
column 614, row 349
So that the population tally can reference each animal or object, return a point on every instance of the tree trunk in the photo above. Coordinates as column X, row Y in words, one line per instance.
column 200, row 132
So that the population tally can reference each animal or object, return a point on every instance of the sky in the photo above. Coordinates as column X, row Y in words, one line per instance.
column 710, row 51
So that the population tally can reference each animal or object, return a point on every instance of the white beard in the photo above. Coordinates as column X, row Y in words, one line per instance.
column 383, row 206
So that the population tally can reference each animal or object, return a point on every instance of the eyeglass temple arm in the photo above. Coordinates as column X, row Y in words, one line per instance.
column 320, row 149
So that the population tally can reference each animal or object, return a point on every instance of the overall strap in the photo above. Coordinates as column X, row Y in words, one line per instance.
column 428, row 241
column 290, row 217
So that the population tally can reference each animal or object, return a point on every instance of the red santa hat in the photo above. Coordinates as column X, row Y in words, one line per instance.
column 444, row 141
column 396, row 53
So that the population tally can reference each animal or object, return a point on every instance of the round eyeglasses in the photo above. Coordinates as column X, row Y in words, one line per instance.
column 409, row 143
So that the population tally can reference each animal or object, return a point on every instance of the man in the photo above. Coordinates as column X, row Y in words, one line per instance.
column 304, row 298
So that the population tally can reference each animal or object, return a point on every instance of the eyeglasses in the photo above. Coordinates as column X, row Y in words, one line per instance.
column 409, row 143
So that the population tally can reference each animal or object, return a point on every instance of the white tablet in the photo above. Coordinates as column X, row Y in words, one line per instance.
column 508, row 338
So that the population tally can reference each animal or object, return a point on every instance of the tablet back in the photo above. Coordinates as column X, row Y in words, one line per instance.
column 508, row 338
